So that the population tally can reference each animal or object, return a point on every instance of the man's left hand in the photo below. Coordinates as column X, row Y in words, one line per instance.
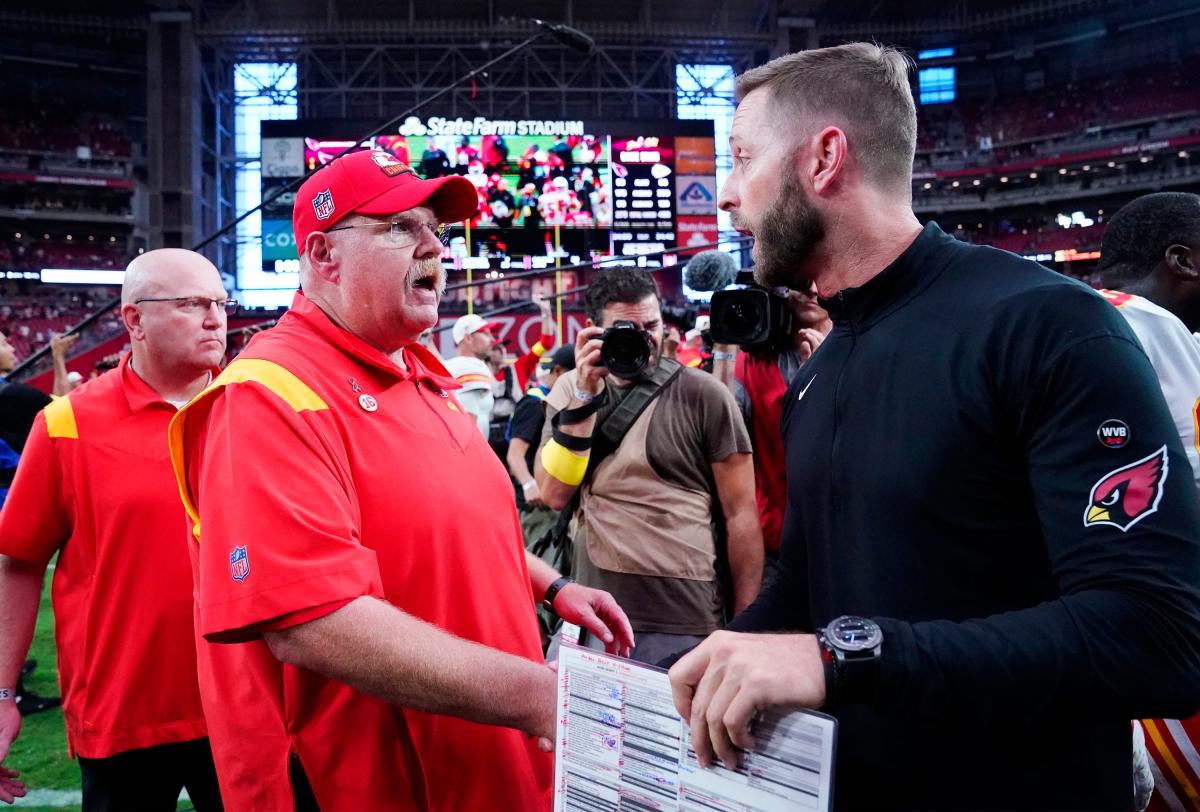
column 598, row 612
column 721, row 684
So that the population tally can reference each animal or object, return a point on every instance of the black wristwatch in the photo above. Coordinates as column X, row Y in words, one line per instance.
column 553, row 591
column 851, row 648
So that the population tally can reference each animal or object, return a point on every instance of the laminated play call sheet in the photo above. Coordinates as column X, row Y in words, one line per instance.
column 621, row 745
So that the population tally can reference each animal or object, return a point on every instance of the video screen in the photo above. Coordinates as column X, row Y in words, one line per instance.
column 567, row 190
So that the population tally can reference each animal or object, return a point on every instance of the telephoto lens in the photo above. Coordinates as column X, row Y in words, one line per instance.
column 625, row 350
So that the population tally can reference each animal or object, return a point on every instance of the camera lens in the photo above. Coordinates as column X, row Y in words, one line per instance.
column 625, row 351
column 742, row 318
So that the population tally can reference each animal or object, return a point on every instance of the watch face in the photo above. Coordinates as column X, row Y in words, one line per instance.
column 854, row 633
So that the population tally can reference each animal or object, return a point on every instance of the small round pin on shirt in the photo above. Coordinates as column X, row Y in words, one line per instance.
column 368, row 403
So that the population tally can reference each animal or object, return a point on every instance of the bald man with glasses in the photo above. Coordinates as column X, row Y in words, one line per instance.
column 95, row 486
column 364, row 600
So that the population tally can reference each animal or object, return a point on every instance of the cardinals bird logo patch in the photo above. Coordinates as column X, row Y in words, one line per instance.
column 1124, row 497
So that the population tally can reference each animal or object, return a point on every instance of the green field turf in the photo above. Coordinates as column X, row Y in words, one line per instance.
column 41, row 751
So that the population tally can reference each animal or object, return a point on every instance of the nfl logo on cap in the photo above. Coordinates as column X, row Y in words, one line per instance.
column 239, row 564
column 323, row 205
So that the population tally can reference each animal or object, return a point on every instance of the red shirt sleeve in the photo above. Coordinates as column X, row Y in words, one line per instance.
column 302, row 617
column 525, row 365
column 34, row 522
column 279, row 525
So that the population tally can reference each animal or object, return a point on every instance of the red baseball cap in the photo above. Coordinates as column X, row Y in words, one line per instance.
column 373, row 181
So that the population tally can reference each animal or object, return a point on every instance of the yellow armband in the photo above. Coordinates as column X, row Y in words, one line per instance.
column 563, row 465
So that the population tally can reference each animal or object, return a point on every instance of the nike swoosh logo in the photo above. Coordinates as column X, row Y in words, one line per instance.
column 805, row 389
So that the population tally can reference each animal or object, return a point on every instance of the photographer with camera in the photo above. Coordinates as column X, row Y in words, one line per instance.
column 759, row 379
column 651, row 464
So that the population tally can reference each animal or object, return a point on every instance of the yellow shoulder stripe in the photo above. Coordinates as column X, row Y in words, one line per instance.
column 283, row 383
column 293, row 391
column 60, row 419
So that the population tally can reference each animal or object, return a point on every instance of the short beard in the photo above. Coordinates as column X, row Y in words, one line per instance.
column 787, row 237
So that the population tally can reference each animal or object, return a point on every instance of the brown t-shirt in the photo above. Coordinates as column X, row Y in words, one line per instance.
column 643, row 530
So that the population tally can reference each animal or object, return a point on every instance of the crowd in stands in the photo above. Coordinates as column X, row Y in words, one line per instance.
column 1073, row 107
column 62, row 128
column 1032, row 237
column 27, row 254
column 39, row 199
column 29, row 315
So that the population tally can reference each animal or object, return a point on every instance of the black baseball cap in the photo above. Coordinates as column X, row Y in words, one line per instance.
column 564, row 357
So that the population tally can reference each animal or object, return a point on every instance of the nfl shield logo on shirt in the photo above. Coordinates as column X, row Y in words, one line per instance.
column 323, row 205
column 239, row 564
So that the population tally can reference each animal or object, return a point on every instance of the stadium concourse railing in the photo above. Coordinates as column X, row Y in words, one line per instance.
column 565, row 36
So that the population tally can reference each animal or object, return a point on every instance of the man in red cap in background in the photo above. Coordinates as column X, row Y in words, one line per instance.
column 384, row 645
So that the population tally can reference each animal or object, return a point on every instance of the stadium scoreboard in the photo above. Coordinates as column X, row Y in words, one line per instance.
column 581, row 188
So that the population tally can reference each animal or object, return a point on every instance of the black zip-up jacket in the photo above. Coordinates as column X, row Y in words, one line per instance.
column 948, row 477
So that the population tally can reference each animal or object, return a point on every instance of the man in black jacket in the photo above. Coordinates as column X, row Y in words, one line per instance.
column 981, row 583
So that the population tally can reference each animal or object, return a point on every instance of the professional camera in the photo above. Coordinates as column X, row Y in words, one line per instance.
column 756, row 318
column 625, row 349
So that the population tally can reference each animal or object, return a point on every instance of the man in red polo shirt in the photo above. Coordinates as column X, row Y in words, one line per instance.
column 95, row 486
column 357, row 541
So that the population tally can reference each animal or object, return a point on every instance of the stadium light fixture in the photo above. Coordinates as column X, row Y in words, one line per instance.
column 955, row 184
column 1033, row 175
column 1004, row 178
column 1112, row 164
column 81, row 276
column 1183, row 153
column 976, row 182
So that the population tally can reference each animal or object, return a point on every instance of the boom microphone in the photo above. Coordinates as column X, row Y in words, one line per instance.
column 710, row 270
column 573, row 38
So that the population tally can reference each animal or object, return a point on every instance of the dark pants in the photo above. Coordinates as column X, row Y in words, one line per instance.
column 151, row 778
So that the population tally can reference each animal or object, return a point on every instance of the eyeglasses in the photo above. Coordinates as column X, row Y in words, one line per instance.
column 405, row 232
column 197, row 304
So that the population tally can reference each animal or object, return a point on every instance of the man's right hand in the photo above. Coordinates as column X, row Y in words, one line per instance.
column 592, row 371
column 10, row 727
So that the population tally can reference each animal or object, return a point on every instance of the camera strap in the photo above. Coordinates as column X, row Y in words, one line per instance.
column 612, row 424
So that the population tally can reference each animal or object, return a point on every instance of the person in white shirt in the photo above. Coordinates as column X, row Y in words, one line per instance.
column 1150, row 258
column 1150, row 261
column 474, row 338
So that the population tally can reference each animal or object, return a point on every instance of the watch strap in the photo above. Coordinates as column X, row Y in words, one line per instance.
column 850, row 676
column 833, row 671
column 552, row 592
